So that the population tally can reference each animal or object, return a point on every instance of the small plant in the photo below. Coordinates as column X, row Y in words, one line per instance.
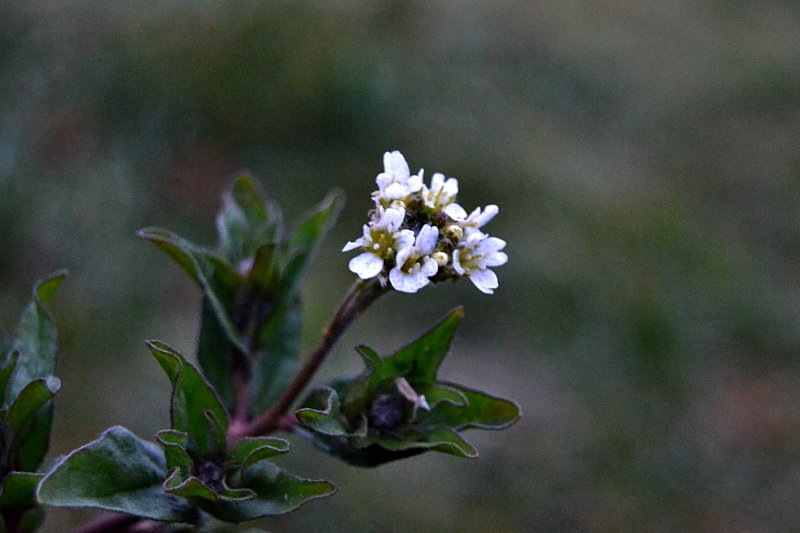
column 214, row 459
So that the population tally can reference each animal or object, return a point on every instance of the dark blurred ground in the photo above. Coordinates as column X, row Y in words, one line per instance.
column 646, row 158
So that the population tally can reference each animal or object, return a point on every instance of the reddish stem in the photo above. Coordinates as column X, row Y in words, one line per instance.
column 356, row 302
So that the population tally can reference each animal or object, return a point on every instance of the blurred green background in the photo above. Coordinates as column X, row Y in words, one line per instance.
column 646, row 158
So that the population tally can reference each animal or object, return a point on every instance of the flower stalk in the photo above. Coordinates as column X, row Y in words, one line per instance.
column 361, row 296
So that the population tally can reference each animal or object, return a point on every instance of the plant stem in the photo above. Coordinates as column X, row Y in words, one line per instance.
column 356, row 302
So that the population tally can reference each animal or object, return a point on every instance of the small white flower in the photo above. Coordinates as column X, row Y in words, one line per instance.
column 473, row 257
column 441, row 194
column 477, row 219
column 382, row 240
column 396, row 181
column 414, row 265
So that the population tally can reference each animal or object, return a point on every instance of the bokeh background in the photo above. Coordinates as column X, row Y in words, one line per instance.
column 646, row 158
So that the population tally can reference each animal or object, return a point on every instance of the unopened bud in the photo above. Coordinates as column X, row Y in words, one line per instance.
column 441, row 258
column 454, row 232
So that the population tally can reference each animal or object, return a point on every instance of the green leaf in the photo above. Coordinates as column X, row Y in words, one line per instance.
column 264, row 274
column 35, row 337
column 117, row 472
column 278, row 360
column 440, row 392
column 189, row 487
column 440, row 438
column 419, row 361
column 19, row 490
column 303, row 243
column 29, row 419
column 276, row 492
column 253, row 449
column 175, row 444
column 321, row 413
column 216, row 278
column 192, row 397
column 215, row 354
column 246, row 220
column 482, row 411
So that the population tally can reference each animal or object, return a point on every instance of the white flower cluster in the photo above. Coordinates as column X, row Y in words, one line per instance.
column 418, row 234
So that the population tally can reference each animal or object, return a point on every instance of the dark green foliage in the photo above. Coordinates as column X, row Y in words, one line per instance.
column 117, row 472
column 373, row 418
column 192, row 471
column 27, row 388
column 251, row 288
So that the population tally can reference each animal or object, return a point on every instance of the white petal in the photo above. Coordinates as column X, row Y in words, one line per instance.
column 402, row 256
column 403, row 239
column 485, row 280
column 395, row 163
column 395, row 191
column 491, row 245
column 495, row 259
column 437, row 182
column 366, row 265
column 455, row 211
column 420, row 279
column 427, row 239
column 456, row 264
column 383, row 180
column 414, row 184
column 392, row 219
column 488, row 214
column 403, row 282
column 451, row 187
column 429, row 267
column 423, row 403
column 352, row 245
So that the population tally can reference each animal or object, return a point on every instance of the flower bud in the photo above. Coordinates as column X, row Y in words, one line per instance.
column 387, row 412
column 454, row 232
column 441, row 258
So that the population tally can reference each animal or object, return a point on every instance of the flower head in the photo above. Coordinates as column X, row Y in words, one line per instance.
column 419, row 234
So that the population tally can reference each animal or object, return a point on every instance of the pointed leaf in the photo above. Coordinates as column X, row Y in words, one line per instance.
column 192, row 396
column 419, row 361
column 216, row 278
column 277, row 492
column 246, row 220
column 439, row 392
column 35, row 337
column 304, row 241
column 482, row 411
column 117, row 472
column 30, row 419
column 441, row 438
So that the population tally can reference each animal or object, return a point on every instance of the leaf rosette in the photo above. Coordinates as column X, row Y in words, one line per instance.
column 397, row 408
